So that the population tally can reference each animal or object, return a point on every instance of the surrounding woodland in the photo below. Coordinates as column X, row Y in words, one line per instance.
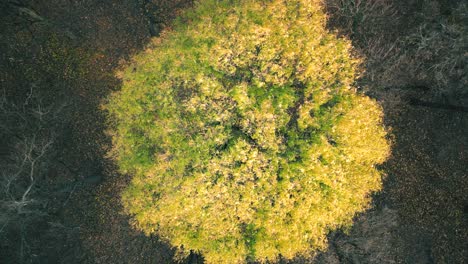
column 60, row 194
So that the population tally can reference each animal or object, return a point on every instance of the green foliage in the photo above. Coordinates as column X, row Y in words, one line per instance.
column 243, row 132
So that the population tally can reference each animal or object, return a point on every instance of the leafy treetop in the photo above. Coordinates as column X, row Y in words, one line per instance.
column 243, row 132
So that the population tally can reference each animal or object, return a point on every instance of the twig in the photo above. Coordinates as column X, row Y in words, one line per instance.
column 417, row 102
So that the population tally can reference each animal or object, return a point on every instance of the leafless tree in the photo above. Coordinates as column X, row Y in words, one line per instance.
column 26, row 144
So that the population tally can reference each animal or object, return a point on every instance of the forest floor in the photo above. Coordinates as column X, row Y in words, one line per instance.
column 58, row 60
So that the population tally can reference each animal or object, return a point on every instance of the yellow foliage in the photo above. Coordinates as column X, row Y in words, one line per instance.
column 243, row 133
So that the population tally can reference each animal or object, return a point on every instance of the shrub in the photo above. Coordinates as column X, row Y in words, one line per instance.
column 243, row 132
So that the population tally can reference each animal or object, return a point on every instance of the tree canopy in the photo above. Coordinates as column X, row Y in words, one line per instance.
column 243, row 132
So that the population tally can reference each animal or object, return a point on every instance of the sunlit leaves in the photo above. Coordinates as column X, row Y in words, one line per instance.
column 244, row 136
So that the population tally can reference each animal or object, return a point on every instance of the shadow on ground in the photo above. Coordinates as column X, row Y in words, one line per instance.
column 68, row 51
column 421, row 214
column 63, row 55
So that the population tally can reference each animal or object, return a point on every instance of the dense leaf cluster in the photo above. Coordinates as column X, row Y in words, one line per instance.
column 243, row 132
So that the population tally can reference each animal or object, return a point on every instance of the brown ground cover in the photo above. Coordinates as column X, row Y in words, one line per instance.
column 57, row 65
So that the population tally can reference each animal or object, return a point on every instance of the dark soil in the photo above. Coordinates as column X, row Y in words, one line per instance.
column 67, row 52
